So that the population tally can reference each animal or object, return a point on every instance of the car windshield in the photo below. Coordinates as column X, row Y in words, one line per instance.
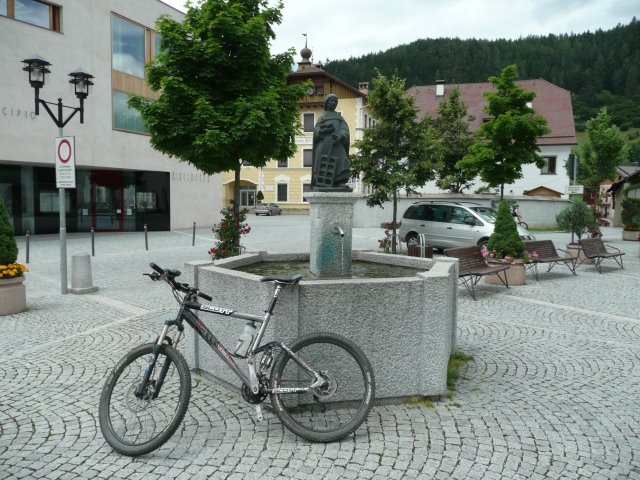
column 488, row 214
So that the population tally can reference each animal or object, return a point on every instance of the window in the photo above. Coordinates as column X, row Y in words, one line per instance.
column 40, row 14
column 283, row 163
column 307, row 157
column 549, row 167
column 125, row 118
column 307, row 121
column 127, row 47
column 283, row 190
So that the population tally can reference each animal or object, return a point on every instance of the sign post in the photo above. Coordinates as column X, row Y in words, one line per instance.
column 65, row 178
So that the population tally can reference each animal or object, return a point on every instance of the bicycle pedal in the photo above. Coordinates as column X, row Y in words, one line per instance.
column 259, row 415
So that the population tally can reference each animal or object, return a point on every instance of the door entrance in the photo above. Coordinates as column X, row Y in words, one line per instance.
column 107, row 199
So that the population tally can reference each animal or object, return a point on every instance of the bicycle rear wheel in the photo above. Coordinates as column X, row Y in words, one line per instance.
column 334, row 410
column 135, row 425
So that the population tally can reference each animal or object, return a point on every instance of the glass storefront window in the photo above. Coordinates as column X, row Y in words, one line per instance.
column 127, row 47
column 33, row 12
column 3, row 8
column 125, row 118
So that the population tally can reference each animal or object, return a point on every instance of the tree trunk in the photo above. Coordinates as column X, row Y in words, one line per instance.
column 236, row 203
column 394, row 224
column 501, row 191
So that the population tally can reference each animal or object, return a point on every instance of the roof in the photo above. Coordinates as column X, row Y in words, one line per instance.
column 543, row 191
column 312, row 71
column 551, row 101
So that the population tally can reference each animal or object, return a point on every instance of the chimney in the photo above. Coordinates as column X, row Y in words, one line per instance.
column 363, row 87
column 439, row 88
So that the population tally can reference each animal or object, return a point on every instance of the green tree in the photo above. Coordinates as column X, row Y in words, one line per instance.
column 453, row 125
column 8, row 245
column 505, row 240
column 509, row 139
column 578, row 219
column 397, row 152
column 223, row 97
column 604, row 150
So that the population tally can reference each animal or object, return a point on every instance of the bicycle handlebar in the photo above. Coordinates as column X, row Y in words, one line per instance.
column 170, row 277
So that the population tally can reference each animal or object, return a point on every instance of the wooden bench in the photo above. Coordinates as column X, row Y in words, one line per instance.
column 473, row 266
column 596, row 250
column 547, row 253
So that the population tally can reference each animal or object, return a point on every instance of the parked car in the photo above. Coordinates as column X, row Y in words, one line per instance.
column 268, row 209
column 451, row 224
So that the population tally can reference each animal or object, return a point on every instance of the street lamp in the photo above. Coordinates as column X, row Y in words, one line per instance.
column 37, row 68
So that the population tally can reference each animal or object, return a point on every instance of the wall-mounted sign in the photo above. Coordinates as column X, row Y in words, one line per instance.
column 574, row 189
column 65, row 162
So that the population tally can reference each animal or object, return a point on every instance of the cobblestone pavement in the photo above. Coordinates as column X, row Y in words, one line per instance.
column 552, row 392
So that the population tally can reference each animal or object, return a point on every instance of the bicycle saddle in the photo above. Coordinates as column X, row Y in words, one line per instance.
column 289, row 280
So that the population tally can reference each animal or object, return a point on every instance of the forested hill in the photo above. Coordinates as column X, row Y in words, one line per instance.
column 600, row 68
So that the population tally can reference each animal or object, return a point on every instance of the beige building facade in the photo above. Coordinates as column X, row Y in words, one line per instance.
column 285, row 182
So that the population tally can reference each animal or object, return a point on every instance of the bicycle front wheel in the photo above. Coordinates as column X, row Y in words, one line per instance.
column 137, row 424
column 333, row 410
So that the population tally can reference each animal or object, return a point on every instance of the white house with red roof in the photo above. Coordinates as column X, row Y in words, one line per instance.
column 551, row 101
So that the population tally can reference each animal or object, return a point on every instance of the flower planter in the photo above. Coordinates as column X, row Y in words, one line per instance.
column 630, row 235
column 13, row 296
column 516, row 274
column 575, row 249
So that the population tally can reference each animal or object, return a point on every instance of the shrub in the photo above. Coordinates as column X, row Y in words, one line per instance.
column 631, row 214
column 505, row 240
column 226, row 231
column 8, row 245
column 578, row 218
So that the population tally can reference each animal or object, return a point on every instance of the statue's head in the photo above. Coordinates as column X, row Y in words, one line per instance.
column 331, row 102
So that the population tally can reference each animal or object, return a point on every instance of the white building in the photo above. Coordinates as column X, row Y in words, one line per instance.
column 122, row 183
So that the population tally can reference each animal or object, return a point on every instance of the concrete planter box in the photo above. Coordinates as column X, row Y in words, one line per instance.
column 405, row 326
column 632, row 236
column 13, row 296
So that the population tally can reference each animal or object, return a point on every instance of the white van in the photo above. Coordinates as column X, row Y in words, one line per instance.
column 451, row 224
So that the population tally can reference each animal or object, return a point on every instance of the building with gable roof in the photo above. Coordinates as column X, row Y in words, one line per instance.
column 551, row 101
column 285, row 182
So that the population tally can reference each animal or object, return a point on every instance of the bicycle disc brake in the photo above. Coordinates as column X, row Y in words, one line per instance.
column 136, row 404
column 328, row 388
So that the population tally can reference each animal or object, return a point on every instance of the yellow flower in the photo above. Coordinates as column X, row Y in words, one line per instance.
column 12, row 270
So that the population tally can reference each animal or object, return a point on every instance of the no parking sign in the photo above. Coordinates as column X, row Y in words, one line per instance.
column 65, row 162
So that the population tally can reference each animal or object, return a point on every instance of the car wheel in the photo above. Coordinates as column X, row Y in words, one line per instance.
column 483, row 242
column 269, row 213
column 411, row 237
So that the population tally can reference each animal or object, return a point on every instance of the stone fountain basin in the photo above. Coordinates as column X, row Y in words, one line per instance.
column 406, row 326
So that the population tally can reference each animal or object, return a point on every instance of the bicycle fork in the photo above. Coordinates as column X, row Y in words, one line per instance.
column 140, row 391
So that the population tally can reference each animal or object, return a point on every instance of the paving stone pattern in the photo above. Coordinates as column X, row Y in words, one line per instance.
column 552, row 392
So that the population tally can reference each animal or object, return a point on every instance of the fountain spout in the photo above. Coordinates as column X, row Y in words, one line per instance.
column 335, row 228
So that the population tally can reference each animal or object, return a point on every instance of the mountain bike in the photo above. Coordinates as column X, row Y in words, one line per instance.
column 321, row 387
column 515, row 211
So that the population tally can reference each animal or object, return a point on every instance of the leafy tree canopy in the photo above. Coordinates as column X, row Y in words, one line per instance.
column 603, row 151
column 397, row 152
column 508, row 140
column 223, row 98
column 453, row 125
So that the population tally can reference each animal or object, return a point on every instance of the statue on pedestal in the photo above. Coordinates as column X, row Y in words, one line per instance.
column 330, row 167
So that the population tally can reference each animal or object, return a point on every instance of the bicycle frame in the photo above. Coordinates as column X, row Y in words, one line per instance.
column 186, row 313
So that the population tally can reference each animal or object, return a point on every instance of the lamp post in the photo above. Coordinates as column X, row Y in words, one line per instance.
column 37, row 69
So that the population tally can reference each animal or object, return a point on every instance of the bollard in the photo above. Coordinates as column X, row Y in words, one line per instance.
column 81, row 281
column 93, row 243
column 193, row 238
column 27, row 237
column 146, row 240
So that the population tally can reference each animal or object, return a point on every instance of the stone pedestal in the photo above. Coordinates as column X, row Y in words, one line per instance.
column 81, row 274
column 331, row 224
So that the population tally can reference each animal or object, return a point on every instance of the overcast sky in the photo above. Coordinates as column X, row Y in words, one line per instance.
column 351, row 28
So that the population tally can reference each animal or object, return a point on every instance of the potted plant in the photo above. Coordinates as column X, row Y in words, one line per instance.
column 13, row 295
column 630, row 218
column 506, row 246
column 578, row 219
column 226, row 231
